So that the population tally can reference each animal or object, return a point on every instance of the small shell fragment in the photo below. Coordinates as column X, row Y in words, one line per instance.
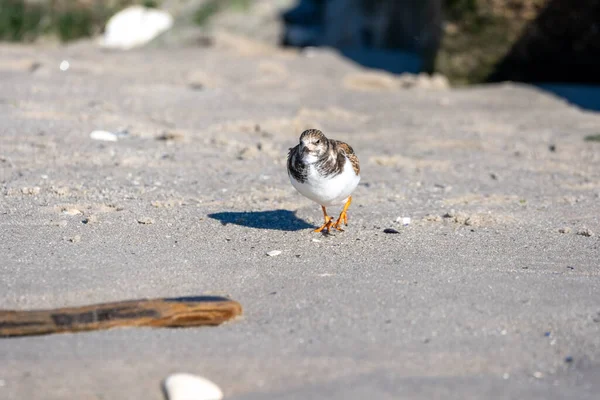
column 274, row 253
column 104, row 136
column 183, row 386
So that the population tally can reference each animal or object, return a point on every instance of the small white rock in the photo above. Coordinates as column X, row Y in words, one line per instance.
column 104, row 136
column 274, row 253
column 190, row 387
column 538, row 375
column 316, row 240
column 64, row 65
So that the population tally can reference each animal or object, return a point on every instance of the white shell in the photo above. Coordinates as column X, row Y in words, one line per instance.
column 135, row 26
column 105, row 136
column 183, row 386
column 274, row 253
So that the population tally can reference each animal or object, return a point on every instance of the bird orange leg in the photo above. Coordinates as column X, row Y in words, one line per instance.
column 343, row 216
column 328, row 221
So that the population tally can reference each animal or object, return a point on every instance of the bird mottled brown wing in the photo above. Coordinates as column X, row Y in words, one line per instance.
column 295, row 166
column 350, row 154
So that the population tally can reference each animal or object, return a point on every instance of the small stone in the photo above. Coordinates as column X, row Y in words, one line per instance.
column 585, row 232
column 274, row 253
column 538, row 375
column 31, row 190
column 92, row 219
column 64, row 65
column 145, row 221
column 505, row 376
column 316, row 240
column 182, row 386
column 432, row 218
column 566, row 229
column 390, row 230
column 61, row 224
column 75, row 239
column 568, row 359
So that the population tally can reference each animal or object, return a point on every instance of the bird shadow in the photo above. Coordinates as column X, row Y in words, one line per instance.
column 278, row 220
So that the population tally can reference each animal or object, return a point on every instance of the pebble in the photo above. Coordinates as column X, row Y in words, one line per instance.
column 92, row 219
column 538, row 375
column 566, row 229
column 316, row 240
column 390, row 230
column 64, row 65
column 585, row 232
column 145, row 221
column 274, row 253
column 182, row 386
column 104, row 136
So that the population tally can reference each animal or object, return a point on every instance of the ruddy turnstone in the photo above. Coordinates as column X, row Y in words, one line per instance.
column 326, row 171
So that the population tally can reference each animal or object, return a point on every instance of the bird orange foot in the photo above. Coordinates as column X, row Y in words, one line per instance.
column 337, row 224
column 327, row 225
column 343, row 218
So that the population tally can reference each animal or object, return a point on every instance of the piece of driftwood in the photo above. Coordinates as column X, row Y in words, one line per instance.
column 165, row 312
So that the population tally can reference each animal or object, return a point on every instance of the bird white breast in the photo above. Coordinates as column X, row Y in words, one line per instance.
column 328, row 191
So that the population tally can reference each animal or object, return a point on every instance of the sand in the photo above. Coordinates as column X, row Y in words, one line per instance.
column 480, row 296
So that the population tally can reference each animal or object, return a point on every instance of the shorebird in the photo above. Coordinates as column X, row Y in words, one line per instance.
column 326, row 171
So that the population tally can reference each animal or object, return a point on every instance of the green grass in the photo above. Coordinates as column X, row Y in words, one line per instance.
column 593, row 138
column 25, row 21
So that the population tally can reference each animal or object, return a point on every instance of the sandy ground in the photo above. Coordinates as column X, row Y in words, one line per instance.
column 480, row 296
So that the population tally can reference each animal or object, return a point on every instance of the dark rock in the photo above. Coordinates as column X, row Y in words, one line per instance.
column 561, row 45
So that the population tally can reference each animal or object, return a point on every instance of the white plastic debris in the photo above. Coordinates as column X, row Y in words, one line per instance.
column 274, row 253
column 64, row 65
column 183, row 386
column 134, row 27
column 104, row 136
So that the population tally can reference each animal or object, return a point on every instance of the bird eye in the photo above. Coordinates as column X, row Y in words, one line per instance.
column 318, row 141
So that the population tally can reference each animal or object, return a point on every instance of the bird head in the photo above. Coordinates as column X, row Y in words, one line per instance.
column 313, row 144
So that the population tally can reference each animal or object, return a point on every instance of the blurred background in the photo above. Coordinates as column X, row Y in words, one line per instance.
column 554, row 44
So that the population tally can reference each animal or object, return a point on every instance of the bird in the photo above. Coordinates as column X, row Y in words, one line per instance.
column 326, row 171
